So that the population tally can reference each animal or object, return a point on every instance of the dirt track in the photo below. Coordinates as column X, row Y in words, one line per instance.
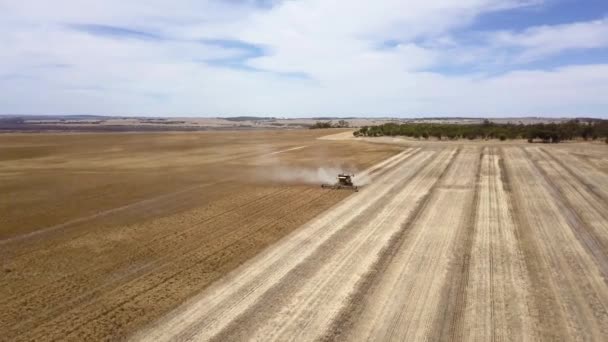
column 449, row 242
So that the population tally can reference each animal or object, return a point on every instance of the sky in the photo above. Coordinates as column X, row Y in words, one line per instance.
column 295, row 58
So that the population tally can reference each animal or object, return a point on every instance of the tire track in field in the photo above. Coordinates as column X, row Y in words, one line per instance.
column 497, row 305
column 595, row 162
column 344, row 256
column 582, row 189
column 580, row 292
column 285, row 150
column 390, row 299
column 544, row 297
column 591, row 178
column 230, row 299
column 388, row 164
column 454, row 292
column 408, row 300
column 350, row 313
column 589, row 223
column 372, row 209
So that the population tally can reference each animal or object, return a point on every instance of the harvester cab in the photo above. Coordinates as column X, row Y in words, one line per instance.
column 345, row 181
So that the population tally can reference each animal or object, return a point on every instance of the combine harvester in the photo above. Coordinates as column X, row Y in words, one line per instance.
column 345, row 181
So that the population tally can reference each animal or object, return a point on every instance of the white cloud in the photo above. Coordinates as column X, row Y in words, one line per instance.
column 50, row 68
column 542, row 41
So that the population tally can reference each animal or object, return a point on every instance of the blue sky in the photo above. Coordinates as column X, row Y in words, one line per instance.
column 552, row 12
column 305, row 57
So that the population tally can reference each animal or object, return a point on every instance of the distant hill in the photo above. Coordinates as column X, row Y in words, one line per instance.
column 248, row 118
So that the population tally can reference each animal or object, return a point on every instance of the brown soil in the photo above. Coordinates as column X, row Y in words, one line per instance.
column 101, row 234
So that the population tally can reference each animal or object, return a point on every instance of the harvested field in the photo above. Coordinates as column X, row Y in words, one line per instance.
column 103, row 233
column 471, row 242
column 181, row 237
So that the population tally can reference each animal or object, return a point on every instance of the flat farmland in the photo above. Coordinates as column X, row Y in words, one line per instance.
column 470, row 242
column 103, row 233
column 221, row 236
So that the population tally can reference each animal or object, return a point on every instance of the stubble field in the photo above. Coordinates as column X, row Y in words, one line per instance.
column 103, row 233
column 180, row 240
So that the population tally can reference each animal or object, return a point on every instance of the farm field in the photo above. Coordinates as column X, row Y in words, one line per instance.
column 101, row 234
column 470, row 242
column 227, row 236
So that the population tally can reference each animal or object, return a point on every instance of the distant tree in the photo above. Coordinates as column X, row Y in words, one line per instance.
column 546, row 133
column 322, row 124
column 342, row 124
column 586, row 132
column 15, row 120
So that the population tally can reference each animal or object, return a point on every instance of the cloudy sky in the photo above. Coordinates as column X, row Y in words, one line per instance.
column 305, row 57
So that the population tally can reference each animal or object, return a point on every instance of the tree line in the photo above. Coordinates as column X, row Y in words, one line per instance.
column 592, row 129
column 329, row 124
